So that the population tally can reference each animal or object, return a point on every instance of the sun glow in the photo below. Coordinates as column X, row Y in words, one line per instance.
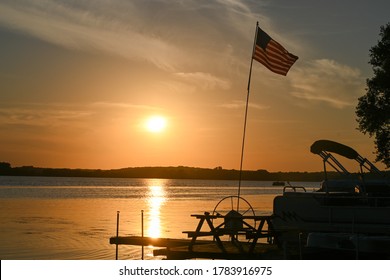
column 156, row 124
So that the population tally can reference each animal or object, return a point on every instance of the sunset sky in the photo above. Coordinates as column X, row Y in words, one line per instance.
column 80, row 80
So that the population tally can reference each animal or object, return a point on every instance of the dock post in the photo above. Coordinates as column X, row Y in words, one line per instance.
column 142, row 233
column 117, row 234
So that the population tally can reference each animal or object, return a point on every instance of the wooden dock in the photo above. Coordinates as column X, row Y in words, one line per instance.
column 150, row 241
column 203, row 249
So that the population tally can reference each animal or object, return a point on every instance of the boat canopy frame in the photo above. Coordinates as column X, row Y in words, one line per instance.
column 324, row 148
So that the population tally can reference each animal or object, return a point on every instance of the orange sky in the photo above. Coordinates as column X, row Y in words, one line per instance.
column 78, row 82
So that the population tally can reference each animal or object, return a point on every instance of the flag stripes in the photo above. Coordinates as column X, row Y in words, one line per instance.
column 271, row 54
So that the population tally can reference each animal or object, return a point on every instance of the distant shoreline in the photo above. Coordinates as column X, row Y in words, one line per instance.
column 179, row 172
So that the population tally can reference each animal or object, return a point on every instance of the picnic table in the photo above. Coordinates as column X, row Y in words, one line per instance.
column 232, row 225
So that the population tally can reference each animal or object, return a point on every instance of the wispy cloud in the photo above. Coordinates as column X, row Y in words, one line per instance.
column 327, row 81
column 121, row 105
column 41, row 115
column 205, row 81
column 63, row 114
column 167, row 33
column 85, row 26
column 239, row 104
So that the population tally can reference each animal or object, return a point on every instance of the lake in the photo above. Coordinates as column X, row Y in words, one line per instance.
column 66, row 218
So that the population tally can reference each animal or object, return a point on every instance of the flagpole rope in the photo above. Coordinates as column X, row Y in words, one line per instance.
column 245, row 120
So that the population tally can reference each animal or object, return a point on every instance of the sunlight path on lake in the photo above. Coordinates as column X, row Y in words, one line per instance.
column 156, row 198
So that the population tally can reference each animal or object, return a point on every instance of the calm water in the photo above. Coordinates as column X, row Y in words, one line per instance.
column 73, row 218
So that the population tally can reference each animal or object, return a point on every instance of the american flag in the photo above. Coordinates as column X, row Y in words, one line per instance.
column 271, row 54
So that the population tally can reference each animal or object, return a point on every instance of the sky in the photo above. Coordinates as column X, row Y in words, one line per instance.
column 80, row 80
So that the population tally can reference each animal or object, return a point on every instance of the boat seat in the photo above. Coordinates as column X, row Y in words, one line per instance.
column 343, row 186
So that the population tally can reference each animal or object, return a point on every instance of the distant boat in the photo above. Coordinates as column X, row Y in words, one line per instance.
column 279, row 183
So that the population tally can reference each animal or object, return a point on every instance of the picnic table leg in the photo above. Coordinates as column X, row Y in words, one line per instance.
column 198, row 228
column 256, row 238
column 273, row 233
column 215, row 233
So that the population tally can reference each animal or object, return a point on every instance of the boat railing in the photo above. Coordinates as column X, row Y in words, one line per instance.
column 294, row 189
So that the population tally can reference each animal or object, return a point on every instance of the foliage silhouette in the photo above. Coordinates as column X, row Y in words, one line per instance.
column 373, row 109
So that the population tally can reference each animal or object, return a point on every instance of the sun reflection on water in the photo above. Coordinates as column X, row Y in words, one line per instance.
column 156, row 198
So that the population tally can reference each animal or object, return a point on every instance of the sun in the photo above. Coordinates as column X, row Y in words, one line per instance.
column 156, row 124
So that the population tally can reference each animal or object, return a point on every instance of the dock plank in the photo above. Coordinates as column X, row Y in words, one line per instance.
column 212, row 251
column 151, row 241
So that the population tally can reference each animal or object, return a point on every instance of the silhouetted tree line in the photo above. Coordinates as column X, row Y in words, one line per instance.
column 179, row 172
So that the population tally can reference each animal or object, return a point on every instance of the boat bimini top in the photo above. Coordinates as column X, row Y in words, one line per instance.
column 324, row 148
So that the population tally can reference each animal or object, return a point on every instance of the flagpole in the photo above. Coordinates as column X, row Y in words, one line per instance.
column 245, row 119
